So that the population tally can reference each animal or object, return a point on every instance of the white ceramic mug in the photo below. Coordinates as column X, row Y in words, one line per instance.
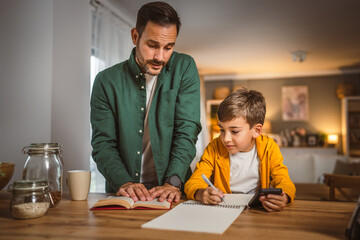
column 78, row 182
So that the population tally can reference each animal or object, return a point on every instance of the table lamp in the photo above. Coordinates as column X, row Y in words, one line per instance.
column 332, row 139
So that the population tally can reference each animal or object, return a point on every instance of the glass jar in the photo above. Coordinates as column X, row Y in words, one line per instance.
column 30, row 199
column 44, row 162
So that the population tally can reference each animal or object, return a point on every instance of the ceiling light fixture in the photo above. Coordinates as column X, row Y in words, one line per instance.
column 298, row 56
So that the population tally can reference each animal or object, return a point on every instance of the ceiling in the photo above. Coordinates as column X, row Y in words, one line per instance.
column 256, row 38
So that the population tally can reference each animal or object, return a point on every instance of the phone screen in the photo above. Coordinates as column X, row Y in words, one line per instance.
column 255, row 202
column 266, row 191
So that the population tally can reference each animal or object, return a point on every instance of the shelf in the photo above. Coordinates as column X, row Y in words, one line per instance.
column 350, row 121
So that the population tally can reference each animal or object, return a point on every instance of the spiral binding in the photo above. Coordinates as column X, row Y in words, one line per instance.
column 220, row 206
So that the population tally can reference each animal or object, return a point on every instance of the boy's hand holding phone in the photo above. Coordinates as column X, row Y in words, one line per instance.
column 209, row 196
column 273, row 202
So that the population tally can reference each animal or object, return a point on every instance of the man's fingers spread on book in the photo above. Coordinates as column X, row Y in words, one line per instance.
column 164, row 195
column 171, row 196
column 122, row 192
column 139, row 193
column 153, row 194
column 147, row 195
column 132, row 194
column 156, row 192
column 177, row 197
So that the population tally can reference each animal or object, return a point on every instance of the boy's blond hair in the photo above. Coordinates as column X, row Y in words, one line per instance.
column 249, row 104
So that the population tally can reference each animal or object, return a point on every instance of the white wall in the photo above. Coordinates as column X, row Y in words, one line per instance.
column 26, row 73
column 44, row 83
column 70, row 123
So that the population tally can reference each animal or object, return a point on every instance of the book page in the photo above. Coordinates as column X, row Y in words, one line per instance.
column 114, row 200
column 153, row 204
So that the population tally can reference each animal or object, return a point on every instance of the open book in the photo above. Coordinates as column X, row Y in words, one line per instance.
column 194, row 216
column 113, row 202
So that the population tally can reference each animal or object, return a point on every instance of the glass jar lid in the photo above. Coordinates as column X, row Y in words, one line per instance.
column 30, row 185
column 41, row 148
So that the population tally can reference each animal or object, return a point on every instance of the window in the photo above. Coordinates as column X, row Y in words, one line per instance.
column 111, row 44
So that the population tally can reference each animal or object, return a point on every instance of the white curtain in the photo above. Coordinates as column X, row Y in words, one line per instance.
column 111, row 39
column 111, row 43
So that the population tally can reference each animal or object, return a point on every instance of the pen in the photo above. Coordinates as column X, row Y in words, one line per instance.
column 211, row 185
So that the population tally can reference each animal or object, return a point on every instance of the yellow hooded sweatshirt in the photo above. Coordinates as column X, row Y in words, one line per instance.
column 215, row 165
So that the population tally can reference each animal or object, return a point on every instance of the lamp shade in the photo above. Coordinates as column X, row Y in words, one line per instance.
column 332, row 139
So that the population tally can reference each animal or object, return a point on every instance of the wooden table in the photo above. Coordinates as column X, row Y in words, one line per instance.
column 74, row 220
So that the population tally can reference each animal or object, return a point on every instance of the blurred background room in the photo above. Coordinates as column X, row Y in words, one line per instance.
column 304, row 56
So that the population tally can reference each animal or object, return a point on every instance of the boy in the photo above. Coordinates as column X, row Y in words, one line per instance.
column 242, row 160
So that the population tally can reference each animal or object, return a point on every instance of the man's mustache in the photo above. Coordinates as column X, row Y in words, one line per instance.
column 156, row 62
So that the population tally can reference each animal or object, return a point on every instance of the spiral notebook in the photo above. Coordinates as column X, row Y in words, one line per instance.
column 196, row 217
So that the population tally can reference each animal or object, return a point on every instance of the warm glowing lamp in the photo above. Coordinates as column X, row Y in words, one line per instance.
column 332, row 139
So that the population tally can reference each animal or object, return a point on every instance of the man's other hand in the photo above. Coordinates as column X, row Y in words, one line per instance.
column 166, row 192
column 136, row 191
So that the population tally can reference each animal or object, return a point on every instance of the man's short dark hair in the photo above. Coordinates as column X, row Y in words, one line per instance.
column 159, row 13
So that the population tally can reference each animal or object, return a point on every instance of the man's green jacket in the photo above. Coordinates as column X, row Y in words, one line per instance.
column 118, row 107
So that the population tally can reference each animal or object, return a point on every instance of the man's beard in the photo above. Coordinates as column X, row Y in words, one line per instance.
column 144, row 64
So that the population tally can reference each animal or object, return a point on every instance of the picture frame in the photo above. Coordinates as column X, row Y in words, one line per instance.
column 312, row 140
column 295, row 103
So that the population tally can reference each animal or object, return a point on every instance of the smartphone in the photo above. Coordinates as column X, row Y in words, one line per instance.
column 266, row 191
column 255, row 202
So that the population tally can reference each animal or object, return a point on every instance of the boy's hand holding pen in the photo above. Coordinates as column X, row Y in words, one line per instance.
column 209, row 195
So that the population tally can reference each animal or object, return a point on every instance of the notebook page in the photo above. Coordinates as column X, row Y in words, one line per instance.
column 195, row 217
column 237, row 199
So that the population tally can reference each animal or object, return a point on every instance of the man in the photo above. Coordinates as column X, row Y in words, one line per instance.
column 145, row 112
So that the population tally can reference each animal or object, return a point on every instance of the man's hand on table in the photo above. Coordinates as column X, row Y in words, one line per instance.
column 136, row 191
column 166, row 192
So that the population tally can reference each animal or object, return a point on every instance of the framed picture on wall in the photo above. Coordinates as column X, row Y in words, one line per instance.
column 312, row 140
column 295, row 103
